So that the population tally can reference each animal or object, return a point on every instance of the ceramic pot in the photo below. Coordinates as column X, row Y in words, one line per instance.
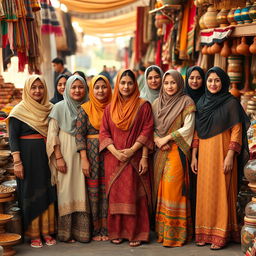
column 252, row 12
column 243, row 48
column 210, row 17
column 233, row 47
column 201, row 23
column 231, row 17
column 215, row 48
column 222, row 18
column 250, row 209
column 250, row 174
column 245, row 14
column 237, row 16
column 225, row 51
column 209, row 50
column 252, row 47
column 204, row 50
column 248, row 233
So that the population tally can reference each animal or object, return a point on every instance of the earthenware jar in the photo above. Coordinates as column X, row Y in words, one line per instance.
column 222, row 18
column 231, row 17
column 243, row 47
column 237, row 16
column 248, row 233
column 252, row 47
column 250, row 174
column 210, row 17
column 201, row 22
column 252, row 12
column 233, row 47
column 215, row 48
column 250, row 209
column 204, row 50
column 245, row 13
column 225, row 51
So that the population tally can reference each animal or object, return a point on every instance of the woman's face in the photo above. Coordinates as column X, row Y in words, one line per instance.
column 126, row 87
column 213, row 83
column 195, row 80
column 101, row 90
column 37, row 90
column 154, row 80
column 61, row 85
column 170, row 85
column 77, row 90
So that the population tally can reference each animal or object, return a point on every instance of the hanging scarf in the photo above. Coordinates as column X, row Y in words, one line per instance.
column 31, row 112
column 195, row 94
column 167, row 108
column 148, row 93
column 123, row 111
column 57, row 96
column 65, row 111
column 95, row 108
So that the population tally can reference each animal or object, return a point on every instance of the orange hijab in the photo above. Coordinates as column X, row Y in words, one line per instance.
column 94, row 108
column 123, row 111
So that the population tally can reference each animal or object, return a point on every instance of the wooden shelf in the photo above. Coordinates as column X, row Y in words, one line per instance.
column 239, row 30
column 166, row 8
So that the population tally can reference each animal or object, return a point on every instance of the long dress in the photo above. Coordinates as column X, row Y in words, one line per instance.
column 128, row 193
column 87, row 138
column 216, row 218
column 36, row 195
column 73, row 203
column 171, row 184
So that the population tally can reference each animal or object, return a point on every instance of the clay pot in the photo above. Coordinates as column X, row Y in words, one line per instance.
column 245, row 14
column 250, row 209
column 250, row 174
column 225, row 51
column 231, row 18
column 237, row 16
column 248, row 233
column 210, row 17
column 243, row 48
column 252, row 47
column 215, row 48
column 204, row 50
column 209, row 50
column 233, row 47
column 222, row 18
column 201, row 23
column 252, row 12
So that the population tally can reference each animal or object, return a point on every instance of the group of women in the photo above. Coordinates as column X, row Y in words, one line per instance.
column 170, row 154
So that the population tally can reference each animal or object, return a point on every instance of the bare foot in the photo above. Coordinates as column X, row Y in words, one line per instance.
column 117, row 241
column 134, row 243
column 215, row 247
column 201, row 244
column 104, row 238
column 96, row 238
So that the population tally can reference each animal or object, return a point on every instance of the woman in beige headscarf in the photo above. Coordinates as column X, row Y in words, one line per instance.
column 174, row 127
column 28, row 125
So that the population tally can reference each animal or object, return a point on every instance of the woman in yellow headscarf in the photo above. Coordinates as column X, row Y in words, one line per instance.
column 87, row 140
column 28, row 125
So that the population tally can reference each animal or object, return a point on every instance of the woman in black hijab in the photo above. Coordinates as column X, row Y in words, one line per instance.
column 222, row 147
column 60, row 85
column 195, row 83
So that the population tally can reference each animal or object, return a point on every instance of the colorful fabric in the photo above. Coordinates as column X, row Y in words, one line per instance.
column 31, row 112
column 96, row 182
column 123, row 112
column 192, row 22
column 184, row 33
column 94, row 108
column 173, row 219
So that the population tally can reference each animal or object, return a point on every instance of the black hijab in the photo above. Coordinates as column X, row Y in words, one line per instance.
column 195, row 94
column 57, row 96
column 219, row 112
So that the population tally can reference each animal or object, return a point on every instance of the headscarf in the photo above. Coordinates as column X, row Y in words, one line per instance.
column 123, row 111
column 166, row 108
column 82, row 74
column 219, row 112
column 195, row 94
column 57, row 96
column 65, row 111
column 95, row 108
column 31, row 112
column 148, row 93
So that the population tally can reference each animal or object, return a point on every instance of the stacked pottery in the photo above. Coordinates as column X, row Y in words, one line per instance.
column 210, row 17
column 251, row 108
column 237, row 16
column 252, row 12
column 201, row 22
column 245, row 14
column 222, row 18
column 231, row 17
column 235, row 72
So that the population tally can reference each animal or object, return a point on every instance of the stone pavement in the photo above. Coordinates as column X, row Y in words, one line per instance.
column 108, row 249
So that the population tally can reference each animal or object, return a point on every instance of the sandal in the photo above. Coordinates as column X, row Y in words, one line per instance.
column 104, row 238
column 36, row 243
column 97, row 238
column 134, row 243
column 49, row 240
column 215, row 247
column 117, row 241
column 201, row 244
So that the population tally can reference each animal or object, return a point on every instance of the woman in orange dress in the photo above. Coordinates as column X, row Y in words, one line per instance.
column 220, row 150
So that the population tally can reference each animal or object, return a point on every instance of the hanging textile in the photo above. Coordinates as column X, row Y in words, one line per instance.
column 192, row 21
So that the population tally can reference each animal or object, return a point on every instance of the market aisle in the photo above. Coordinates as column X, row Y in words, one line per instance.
column 108, row 249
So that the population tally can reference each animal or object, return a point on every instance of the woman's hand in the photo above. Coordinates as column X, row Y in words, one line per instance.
column 143, row 165
column 194, row 164
column 165, row 147
column 61, row 165
column 161, row 141
column 85, row 167
column 128, row 152
column 122, row 157
column 228, row 164
column 19, row 171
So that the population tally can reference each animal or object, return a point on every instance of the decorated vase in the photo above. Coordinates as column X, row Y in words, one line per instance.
column 237, row 16
column 231, row 17
column 248, row 233
column 245, row 14
column 252, row 12
column 222, row 18
column 250, row 174
column 210, row 17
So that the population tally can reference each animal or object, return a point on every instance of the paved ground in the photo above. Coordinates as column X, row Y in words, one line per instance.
column 108, row 249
